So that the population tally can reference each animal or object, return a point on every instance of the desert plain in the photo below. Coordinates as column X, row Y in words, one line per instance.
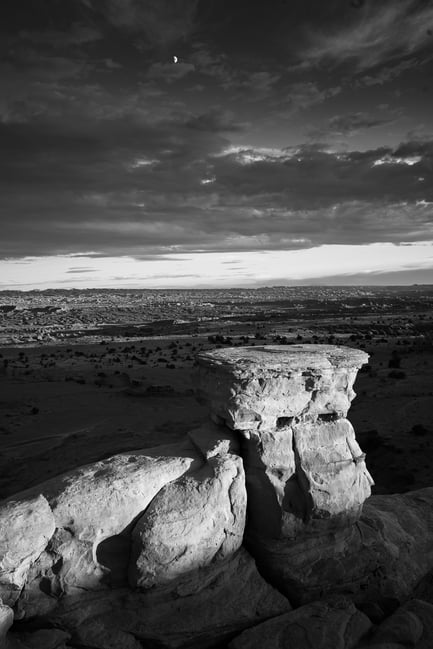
column 86, row 374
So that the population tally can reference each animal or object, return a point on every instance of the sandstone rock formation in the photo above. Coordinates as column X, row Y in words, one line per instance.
column 6, row 621
column 410, row 626
column 191, row 522
column 39, row 639
column 334, row 624
column 141, row 545
column 26, row 526
column 383, row 555
column 72, row 531
column 305, row 471
column 201, row 610
column 153, row 547
column 306, row 476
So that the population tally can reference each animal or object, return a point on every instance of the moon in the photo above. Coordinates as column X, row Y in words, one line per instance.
column 175, row 59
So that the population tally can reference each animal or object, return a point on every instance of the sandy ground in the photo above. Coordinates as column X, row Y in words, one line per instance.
column 62, row 406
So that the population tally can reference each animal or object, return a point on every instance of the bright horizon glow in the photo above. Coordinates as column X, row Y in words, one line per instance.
column 219, row 270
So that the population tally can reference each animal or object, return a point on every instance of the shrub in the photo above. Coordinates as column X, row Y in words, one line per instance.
column 419, row 430
column 397, row 374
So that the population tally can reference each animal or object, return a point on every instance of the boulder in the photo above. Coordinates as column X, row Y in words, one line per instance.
column 331, row 624
column 88, row 513
column 410, row 626
column 26, row 525
column 201, row 610
column 403, row 626
column 212, row 440
column 191, row 522
column 40, row 639
column 424, row 588
column 383, row 555
column 6, row 620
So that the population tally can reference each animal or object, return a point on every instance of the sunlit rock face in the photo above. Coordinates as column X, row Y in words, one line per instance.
column 73, row 531
column 305, row 471
column 139, row 545
column 26, row 526
column 256, row 388
column 193, row 521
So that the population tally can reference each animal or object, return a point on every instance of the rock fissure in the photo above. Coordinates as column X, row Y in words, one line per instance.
column 303, row 482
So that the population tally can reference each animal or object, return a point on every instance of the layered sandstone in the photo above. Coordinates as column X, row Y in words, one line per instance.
column 305, row 471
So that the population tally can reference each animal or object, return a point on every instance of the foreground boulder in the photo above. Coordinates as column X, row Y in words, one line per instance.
column 84, row 520
column 143, row 546
column 191, row 522
column 383, row 555
column 40, row 639
column 6, row 620
column 201, row 610
column 26, row 526
column 334, row 624
column 410, row 626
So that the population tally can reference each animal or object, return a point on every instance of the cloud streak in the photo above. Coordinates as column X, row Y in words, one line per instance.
column 376, row 34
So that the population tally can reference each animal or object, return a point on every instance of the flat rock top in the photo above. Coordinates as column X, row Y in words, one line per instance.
column 283, row 358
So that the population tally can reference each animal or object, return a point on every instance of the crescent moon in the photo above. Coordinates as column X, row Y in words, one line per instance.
column 175, row 59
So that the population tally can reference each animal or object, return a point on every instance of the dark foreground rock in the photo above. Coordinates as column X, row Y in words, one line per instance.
column 333, row 624
column 383, row 555
column 410, row 626
column 200, row 610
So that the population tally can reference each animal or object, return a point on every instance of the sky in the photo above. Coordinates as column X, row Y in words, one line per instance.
column 201, row 143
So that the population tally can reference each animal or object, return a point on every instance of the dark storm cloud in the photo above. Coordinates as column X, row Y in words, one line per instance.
column 129, row 186
column 109, row 147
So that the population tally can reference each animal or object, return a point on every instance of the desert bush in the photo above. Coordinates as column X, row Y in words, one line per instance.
column 395, row 360
column 397, row 374
column 419, row 430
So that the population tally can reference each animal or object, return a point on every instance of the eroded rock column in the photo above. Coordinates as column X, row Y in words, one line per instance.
column 305, row 472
